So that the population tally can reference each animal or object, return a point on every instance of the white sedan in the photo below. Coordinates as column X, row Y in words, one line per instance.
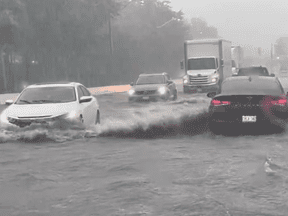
column 48, row 102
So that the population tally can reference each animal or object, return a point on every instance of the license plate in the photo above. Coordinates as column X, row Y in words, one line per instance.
column 248, row 118
column 145, row 98
column 199, row 90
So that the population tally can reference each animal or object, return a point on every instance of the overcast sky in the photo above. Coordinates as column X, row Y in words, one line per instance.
column 244, row 22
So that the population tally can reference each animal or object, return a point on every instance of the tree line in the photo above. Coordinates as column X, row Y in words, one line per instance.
column 95, row 42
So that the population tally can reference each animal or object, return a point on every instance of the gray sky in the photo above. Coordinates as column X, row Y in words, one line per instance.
column 244, row 22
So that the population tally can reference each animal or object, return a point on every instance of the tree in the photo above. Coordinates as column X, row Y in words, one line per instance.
column 281, row 46
column 200, row 29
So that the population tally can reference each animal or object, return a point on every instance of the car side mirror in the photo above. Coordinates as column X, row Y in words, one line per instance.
column 211, row 94
column 169, row 82
column 182, row 64
column 85, row 99
column 272, row 75
column 222, row 62
column 8, row 102
column 131, row 84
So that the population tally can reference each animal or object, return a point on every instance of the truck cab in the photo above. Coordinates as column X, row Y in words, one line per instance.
column 206, row 63
column 202, row 71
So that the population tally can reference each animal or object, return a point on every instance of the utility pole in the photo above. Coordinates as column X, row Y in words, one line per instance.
column 110, row 34
column 2, row 53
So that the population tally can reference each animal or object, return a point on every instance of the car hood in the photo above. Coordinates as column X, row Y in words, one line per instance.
column 39, row 110
column 205, row 72
column 147, row 87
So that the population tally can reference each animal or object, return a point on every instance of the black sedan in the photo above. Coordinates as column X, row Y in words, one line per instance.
column 248, row 102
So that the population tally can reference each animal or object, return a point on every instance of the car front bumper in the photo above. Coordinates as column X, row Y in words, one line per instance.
column 154, row 97
column 201, row 88
column 23, row 122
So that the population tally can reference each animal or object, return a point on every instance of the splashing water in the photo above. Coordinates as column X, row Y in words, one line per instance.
column 151, row 121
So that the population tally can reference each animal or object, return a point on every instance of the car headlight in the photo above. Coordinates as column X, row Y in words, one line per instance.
column 131, row 91
column 215, row 77
column 4, row 118
column 72, row 115
column 162, row 90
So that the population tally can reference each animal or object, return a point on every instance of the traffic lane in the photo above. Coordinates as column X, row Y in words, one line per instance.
column 94, row 91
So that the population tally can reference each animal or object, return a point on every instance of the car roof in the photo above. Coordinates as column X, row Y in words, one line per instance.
column 239, row 78
column 48, row 84
column 154, row 74
column 253, row 66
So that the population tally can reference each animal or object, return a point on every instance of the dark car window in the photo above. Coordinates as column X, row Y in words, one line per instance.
column 80, row 92
column 153, row 79
column 201, row 64
column 253, row 71
column 85, row 91
column 255, row 86
column 53, row 94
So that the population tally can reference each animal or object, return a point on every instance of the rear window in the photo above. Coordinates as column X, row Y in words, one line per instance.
column 253, row 71
column 257, row 87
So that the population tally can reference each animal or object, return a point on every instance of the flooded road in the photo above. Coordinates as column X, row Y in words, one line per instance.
column 144, row 159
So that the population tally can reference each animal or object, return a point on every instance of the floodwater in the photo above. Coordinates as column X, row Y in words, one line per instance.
column 144, row 159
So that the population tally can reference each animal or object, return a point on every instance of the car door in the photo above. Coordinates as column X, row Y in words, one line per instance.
column 89, row 108
column 83, row 107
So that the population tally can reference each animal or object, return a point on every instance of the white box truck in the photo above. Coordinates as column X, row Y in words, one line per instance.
column 206, row 63
column 237, row 56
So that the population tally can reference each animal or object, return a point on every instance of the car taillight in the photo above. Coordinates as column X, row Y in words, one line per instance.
column 280, row 102
column 219, row 103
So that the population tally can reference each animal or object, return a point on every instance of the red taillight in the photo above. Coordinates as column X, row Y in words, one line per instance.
column 280, row 102
column 219, row 103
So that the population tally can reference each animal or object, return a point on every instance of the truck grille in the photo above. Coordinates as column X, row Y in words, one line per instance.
column 148, row 92
column 195, row 80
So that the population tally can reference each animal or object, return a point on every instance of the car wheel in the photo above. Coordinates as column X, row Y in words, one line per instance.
column 214, row 128
column 98, row 117
column 175, row 95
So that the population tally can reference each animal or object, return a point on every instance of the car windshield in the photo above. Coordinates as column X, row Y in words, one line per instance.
column 153, row 79
column 47, row 95
column 253, row 71
column 201, row 64
column 255, row 87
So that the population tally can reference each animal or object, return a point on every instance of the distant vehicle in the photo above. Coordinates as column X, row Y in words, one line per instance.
column 237, row 56
column 153, row 87
column 244, row 101
column 254, row 71
column 207, row 63
column 48, row 102
column 284, row 68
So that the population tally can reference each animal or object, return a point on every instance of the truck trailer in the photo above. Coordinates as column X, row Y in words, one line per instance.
column 206, row 63
column 237, row 56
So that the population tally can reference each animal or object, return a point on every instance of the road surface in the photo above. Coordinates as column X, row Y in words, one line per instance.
column 145, row 159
